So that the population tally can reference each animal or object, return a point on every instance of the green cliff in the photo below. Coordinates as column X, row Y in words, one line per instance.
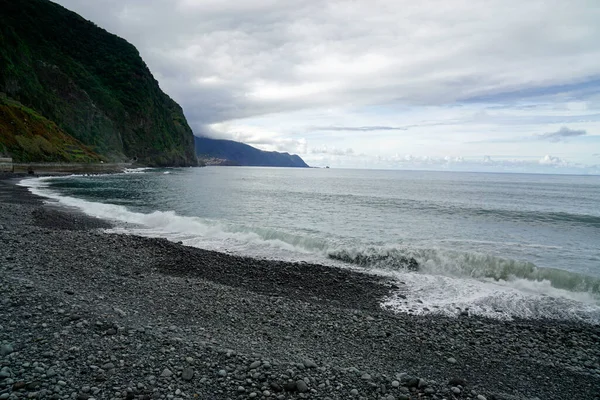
column 92, row 84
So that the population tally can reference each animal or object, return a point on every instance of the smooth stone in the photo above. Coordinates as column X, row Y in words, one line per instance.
column 6, row 349
column 455, row 390
column 481, row 397
column 301, row 386
column 255, row 364
column 354, row 392
column 187, row 374
column 451, row 360
column 309, row 364
column 395, row 384
column 166, row 373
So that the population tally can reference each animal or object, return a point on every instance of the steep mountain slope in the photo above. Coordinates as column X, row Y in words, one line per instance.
column 27, row 136
column 237, row 153
column 91, row 83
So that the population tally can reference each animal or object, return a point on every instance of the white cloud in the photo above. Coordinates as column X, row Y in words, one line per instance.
column 259, row 138
column 551, row 160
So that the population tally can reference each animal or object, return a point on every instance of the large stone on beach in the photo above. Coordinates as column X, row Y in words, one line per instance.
column 187, row 374
column 255, row 364
column 6, row 349
column 166, row 373
column 301, row 386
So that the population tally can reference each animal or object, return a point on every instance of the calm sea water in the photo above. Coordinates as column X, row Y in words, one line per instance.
column 502, row 245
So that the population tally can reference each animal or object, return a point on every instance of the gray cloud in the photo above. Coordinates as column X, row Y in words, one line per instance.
column 225, row 60
column 561, row 134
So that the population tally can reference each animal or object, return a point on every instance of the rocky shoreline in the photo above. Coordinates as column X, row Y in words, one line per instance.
column 90, row 315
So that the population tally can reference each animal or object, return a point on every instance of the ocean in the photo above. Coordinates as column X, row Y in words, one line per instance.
column 503, row 246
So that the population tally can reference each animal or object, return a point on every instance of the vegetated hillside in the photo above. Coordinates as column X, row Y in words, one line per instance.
column 91, row 83
column 27, row 136
column 243, row 154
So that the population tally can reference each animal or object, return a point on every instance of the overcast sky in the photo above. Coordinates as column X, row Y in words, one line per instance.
column 450, row 84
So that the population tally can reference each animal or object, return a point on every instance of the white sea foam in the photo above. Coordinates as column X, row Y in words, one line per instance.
column 446, row 282
column 517, row 298
column 139, row 170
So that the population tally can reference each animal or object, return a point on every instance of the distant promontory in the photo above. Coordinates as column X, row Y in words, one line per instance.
column 228, row 152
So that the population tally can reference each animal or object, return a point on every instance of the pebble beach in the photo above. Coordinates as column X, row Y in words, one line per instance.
column 86, row 314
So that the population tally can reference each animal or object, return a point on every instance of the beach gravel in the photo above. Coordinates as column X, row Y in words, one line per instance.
column 86, row 314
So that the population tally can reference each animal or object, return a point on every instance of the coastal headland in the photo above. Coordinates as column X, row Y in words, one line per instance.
column 87, row 314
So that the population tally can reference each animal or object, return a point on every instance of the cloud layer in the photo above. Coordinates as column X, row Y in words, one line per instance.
column 297, row 75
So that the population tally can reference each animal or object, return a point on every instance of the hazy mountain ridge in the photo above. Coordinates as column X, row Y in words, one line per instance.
column 236, row 153
column 91, row 83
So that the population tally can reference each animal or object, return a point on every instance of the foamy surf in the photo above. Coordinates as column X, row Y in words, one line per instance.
column 446, row 282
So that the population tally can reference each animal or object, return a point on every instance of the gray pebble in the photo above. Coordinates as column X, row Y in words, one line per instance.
column 6, row 349
column 187, row 374
column 301, row 386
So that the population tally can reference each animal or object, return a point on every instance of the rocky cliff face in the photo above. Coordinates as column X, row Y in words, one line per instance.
column 92, row 84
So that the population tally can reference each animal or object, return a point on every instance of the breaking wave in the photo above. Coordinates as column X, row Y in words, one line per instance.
column 467, row 265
